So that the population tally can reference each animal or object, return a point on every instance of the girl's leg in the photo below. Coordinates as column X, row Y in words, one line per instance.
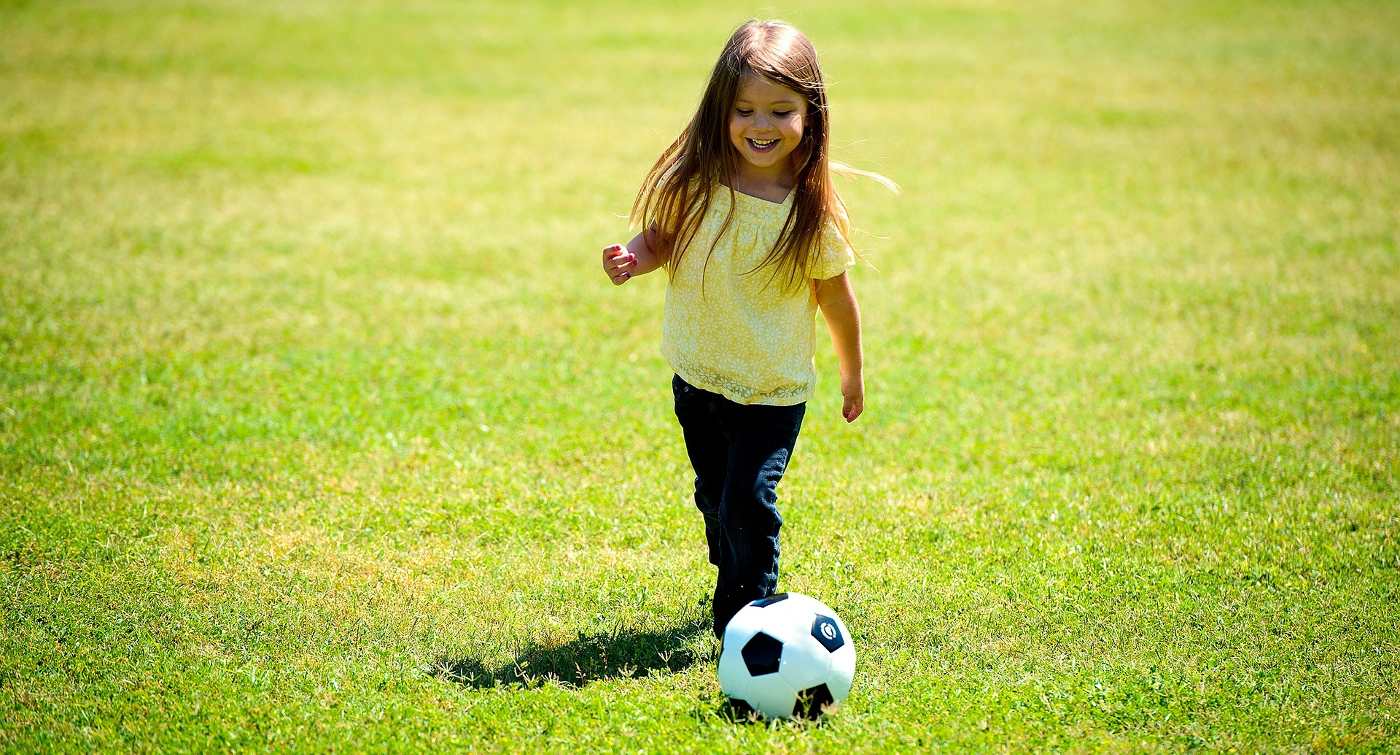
column 700, row 418
column 762, row 443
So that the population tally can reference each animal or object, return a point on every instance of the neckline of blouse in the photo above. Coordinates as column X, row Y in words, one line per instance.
column 761, row 201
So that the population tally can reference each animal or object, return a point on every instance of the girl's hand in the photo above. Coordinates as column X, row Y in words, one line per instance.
column 619, row 263
column 853, row 397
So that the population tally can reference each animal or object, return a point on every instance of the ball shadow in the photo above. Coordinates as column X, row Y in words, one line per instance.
column 589, row 658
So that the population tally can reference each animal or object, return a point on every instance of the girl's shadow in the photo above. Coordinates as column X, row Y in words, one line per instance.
column 606, row 655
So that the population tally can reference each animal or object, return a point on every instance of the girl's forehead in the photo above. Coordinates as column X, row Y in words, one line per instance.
column 758, row 90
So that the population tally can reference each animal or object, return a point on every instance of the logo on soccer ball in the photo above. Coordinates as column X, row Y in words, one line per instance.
column 829, row 631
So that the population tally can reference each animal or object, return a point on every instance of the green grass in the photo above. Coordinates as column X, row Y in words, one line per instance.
column 322, row 428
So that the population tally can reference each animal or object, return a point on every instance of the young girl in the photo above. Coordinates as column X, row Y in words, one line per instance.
column 741, row 213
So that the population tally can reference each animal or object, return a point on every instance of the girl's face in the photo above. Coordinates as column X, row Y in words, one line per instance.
column 766, row 125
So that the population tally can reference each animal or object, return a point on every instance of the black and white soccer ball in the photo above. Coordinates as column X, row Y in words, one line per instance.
column 787, row 655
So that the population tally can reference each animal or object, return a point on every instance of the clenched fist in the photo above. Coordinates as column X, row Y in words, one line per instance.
column 619, row 263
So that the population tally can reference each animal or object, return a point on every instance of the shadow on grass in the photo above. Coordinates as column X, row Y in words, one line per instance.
column 590, row 658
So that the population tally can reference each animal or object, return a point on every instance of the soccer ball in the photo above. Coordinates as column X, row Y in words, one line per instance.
column 786, row 655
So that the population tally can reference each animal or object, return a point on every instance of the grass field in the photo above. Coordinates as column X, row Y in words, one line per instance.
column 321, row 428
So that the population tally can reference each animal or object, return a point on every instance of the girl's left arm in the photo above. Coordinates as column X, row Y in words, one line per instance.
column 838, row 304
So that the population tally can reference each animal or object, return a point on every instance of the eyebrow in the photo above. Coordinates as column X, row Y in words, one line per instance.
column 784, row 101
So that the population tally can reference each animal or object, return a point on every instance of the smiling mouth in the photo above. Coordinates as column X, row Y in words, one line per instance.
column 762, row 146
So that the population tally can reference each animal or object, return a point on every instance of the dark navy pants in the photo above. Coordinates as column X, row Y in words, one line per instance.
column 739, row 452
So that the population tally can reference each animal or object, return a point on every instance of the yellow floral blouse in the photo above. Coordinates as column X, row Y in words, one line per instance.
column 751, row 345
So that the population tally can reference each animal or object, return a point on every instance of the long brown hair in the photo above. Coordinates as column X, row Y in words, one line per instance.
column 676, row 192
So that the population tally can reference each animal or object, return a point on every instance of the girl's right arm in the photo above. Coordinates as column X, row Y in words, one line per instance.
column 643, row 254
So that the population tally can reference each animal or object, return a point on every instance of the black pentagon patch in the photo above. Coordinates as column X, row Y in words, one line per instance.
column 810, row 702
column 737, row 710
column 826, row 632
column 761, row 654
column 770, row 600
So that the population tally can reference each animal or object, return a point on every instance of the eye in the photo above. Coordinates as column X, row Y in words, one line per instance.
column 783, row 114
column 743, row 112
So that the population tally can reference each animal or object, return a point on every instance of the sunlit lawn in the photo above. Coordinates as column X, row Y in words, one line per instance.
column 321, row 428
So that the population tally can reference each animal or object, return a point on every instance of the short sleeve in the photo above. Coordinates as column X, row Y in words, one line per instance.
column 836, row 255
